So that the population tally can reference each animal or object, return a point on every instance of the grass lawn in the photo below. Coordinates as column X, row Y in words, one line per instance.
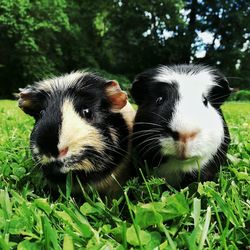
column 208, row 216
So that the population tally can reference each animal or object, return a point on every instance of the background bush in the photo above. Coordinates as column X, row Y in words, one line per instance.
column 242, row 95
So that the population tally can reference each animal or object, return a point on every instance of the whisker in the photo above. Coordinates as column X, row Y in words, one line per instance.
column 157, row 153
column 148, row 140
column 153, row 146
column 211, row 100
column 153, row 141
column 148, row 123
column 130, row 136
column 146, row 134
column 163, row 118
column 146, row 130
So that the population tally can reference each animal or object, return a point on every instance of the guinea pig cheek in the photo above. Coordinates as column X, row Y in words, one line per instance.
column 168, row 146
column 212, row 133
column 207, row 141
column 36, row 152
column 76, row 135
column 204, row 123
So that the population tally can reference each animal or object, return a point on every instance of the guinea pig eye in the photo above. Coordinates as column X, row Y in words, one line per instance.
column 204, row 100
column 42, row 112
column 87, row 113
column 159, row 100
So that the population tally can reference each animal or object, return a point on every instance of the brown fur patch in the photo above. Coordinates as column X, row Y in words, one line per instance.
column 116, row 96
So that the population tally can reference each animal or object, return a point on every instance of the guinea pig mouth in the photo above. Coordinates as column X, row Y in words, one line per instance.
column 86, row 153
column 187, row 160
column 87, row 160
column 52, row 170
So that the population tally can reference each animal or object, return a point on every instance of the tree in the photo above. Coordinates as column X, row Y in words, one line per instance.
column 29, row 44
column 228, row 22
column 140, row 34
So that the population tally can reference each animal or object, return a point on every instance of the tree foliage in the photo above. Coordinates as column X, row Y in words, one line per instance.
column 228, row 21
column 30, row 40
column 41, row 38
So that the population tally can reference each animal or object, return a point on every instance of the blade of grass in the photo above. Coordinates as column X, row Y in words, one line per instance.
column 50, row 234
column 133, row 219
column 171, row 243
column 68, row 243
column 103, row 210
column 68, row 185
column 124, row 238
column 199, row 171
column 149, row 192
column 197, row 211
column 205, row 228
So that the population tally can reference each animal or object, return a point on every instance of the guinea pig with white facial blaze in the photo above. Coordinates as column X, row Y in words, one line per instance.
column 82, row 125
column 179, row 128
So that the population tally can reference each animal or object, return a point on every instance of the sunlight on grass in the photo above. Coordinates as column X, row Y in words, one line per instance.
column 201, row 216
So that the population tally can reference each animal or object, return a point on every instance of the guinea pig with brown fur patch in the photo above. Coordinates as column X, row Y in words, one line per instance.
column 82, row 125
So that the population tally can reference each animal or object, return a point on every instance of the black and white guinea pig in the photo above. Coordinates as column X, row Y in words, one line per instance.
column 82, row 124
column 179, row 126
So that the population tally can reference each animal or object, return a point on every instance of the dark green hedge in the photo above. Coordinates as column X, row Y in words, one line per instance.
column 241, row 95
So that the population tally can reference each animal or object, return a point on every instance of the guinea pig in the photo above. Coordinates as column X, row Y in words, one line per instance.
column 179, row 128
column 82, row 125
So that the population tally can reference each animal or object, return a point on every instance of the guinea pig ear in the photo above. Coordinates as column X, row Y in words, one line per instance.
column 29, row 101
column 117, row 98
column 138, row 91
column 221, row 91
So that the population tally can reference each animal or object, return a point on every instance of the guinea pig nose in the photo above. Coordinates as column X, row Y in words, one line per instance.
column 63, row 151
column 186, row 136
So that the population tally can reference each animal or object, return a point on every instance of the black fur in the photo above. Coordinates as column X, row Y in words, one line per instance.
column 150, row 116
column 46, row 130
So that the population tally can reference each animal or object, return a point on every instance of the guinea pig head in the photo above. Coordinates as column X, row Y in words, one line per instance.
column 179, row 124
column 79, row 126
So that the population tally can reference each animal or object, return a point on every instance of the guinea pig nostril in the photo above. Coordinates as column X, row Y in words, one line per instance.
column 63, row 152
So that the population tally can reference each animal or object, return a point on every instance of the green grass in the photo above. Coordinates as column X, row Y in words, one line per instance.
column 205, row 216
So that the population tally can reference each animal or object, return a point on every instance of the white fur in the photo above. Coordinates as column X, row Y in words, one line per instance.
column 190, row 114
column 61, row 82
column 76, row 133
column 204, row 78
column 35, row 149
